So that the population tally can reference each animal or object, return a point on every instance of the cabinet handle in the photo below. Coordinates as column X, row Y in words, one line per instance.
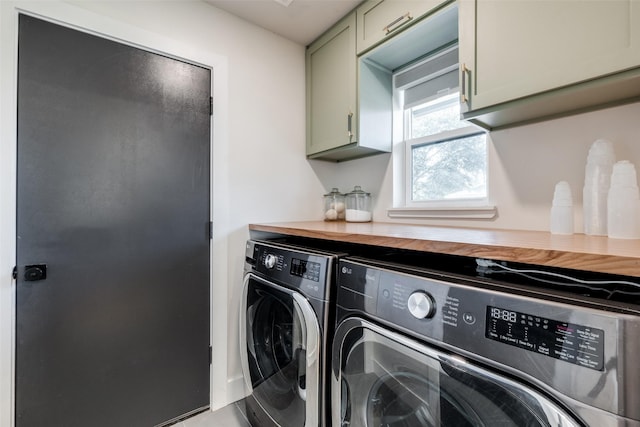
column 349, row 132
column 466, row 73
column 397, row 23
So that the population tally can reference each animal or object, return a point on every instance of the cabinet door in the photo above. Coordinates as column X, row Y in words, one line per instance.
column 331, row 88
column 379, row 19
column 515, row 49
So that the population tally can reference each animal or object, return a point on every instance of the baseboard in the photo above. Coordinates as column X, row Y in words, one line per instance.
column 236, row 389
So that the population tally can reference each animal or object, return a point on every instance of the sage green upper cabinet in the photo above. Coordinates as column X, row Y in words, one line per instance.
column 527, row 60
column 331, row 88
column 348, row 100
column 350, row 96
column 380, row 19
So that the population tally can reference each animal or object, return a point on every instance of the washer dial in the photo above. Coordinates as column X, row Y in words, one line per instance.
column 421, row 305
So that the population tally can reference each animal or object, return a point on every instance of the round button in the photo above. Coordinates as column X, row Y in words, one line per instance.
column 270, row 261
column 469, row 318
column 421, row 305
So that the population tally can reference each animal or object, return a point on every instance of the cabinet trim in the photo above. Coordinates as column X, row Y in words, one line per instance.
column 605, row 92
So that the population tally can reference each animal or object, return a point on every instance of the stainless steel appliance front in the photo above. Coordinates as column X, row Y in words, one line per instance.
column 284, row 327
column 430, row 349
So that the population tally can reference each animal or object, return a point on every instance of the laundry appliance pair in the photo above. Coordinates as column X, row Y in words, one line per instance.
column 336, row 340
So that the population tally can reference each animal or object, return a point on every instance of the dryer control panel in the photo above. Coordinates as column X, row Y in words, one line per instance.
column 303, row 270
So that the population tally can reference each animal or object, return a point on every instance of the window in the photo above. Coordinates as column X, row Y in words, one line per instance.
column 444, row 158
column 447, row 157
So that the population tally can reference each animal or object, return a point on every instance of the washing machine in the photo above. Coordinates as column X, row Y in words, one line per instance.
column 286, row 327
column 417, row 347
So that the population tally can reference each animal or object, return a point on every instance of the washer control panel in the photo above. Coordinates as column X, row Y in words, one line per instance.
column 578, row 344
column 478, row 316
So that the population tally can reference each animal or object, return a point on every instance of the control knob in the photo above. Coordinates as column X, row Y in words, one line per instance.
column 270, row 261
column 421, row 305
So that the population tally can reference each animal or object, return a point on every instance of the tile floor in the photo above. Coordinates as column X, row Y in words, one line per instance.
column 230, row 416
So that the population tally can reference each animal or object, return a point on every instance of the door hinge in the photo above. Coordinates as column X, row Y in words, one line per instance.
column 211, row 105
column 210, row 230
column 14, row 274
column 210, row 355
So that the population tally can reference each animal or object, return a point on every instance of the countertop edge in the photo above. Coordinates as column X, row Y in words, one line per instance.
column 578, row 251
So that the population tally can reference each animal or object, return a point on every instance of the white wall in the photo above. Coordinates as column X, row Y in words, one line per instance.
column 525, row 164
column 259, row 169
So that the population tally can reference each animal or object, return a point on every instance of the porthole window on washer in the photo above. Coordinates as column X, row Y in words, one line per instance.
column 445, row 158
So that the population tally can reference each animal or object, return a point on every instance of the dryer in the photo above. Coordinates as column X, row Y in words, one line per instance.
column 286, row 327
column 415, row 347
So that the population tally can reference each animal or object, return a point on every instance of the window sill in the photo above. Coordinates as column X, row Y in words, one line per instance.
column 470, row 212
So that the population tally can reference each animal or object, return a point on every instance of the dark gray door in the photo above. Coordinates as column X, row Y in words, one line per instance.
column 113, row 197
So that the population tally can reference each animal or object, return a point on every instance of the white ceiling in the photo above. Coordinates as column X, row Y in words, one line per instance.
column 302, row 21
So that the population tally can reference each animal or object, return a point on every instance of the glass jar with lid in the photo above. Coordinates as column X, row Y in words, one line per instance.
column 334, row 205
column 358, row 205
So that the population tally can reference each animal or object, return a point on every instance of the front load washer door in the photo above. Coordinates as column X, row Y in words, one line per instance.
column 381, row 378
column 280, row 340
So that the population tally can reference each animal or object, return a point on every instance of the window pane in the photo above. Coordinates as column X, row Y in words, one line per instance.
column 436, row 116
column 449, row 170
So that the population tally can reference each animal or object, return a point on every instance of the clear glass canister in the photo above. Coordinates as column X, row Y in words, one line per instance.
column 358, row 205
column 334, row 205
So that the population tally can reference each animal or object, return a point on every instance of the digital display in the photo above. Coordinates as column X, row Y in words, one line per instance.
column 501, row 314
column 305, row 269
column 577, row 344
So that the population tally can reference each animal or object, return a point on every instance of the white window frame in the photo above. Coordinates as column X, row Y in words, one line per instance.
column 445, row 136
column 403, row 204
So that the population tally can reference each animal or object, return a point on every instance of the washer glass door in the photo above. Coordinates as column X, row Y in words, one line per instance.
column 381, row 378
column 279, row 335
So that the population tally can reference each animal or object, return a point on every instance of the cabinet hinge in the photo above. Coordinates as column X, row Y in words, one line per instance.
column 210, row 355
column 210, row 230
column 14, row 273
column 211, row 105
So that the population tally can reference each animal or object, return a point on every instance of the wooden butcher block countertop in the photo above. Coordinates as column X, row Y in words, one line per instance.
column 578, row 251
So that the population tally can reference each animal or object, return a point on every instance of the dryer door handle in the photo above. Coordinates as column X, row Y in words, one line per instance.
column 300, row 352
column 310, row 364
column 302, row 374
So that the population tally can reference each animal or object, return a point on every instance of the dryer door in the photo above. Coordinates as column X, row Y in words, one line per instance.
column 381, row 378
column 280, row 348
